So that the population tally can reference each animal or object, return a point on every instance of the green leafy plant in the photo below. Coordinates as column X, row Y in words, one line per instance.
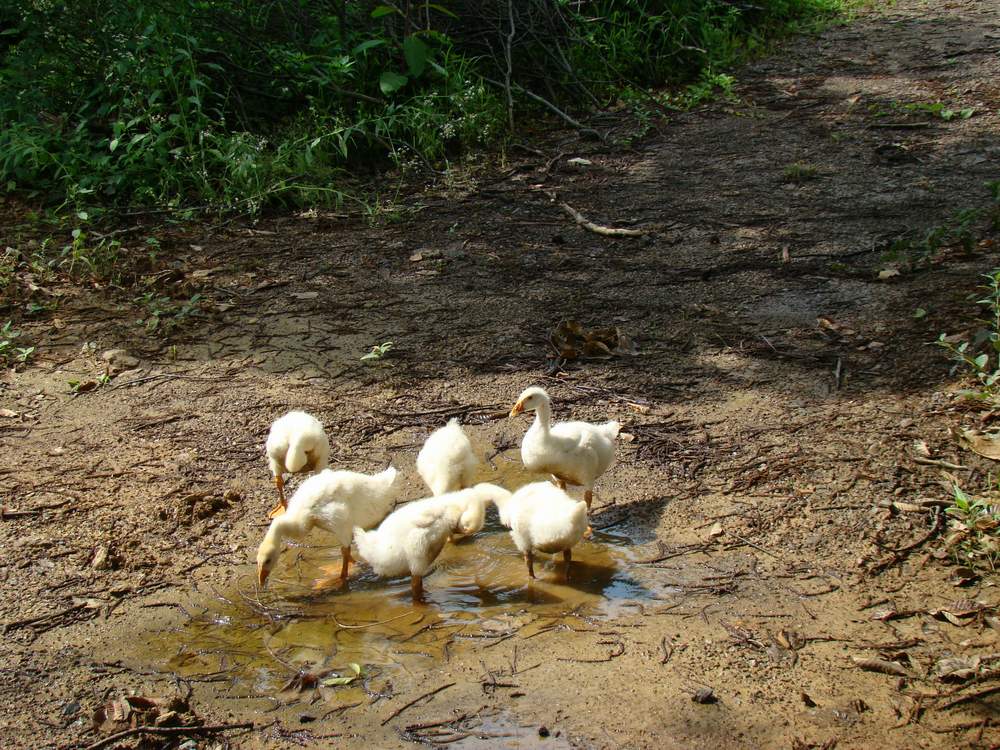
column 378, row 352
column 994, row 210
column 9, row 352
column 165, row 314
column 940, row 110
column 919, row 248
column 973, row 536
column 800, row 172
column 232, row 106
column 980, row 353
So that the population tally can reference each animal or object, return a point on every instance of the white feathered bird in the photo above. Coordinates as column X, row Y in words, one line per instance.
column 543, row 518
column 411, row 538
column 446, row 462
column 572, row 452
column 295, row 444
column 337, row 501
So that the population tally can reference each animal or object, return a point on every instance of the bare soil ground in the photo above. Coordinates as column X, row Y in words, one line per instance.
column 743, row 545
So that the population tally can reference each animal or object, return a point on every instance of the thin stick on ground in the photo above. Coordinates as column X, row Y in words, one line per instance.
column 599, row 228
column 618, row 650
column 167, row 732
column 668, row 650
column 400, row 710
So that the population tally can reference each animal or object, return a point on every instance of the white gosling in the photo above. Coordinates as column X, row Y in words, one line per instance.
column 337, row 501
column 543, row 518
column 411, row 538
column 447, row 462
column 296, row 444
column 572, row 452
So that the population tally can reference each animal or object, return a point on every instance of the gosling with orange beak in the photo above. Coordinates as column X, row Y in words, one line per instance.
column 572, row 452
column 337, row 501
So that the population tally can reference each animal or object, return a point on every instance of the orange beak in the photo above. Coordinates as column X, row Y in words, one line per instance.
column 262, row 574
column 518, row 408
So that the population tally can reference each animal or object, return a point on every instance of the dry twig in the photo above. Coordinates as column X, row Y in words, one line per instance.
column 400, row 710
column 167, row 732
column 599, row 228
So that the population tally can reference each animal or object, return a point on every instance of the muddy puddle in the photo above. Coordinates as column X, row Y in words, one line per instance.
column 478, row 594
column 261, row 642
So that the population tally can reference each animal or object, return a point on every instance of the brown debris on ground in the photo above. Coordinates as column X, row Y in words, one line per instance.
column 790, row 438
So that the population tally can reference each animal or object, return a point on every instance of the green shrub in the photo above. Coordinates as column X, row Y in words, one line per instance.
column 233, row 104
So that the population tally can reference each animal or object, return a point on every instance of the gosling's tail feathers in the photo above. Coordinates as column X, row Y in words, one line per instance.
column 363, row 541
column 387, row 477
column 612, row 429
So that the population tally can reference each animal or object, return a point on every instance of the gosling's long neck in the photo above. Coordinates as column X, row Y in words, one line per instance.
column 285, row 525
column 543, row 417
column 271, row 541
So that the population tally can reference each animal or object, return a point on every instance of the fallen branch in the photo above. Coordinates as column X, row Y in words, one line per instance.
column 668, row 650
column 677, row 552
column 939, row 462
column 598, row 228
column 898, row 553
column 433, row 724
column 971, row 697
column 611, row 655
column 6, row 514
column 167, row 732
column 755, row 546
column 345, row 626
column 400, row 710
column 8, row 627
column 550, row 106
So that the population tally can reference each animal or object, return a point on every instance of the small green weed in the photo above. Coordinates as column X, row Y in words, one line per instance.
column 378, row 352
column 800, row 172
column 967, row 352
column 994, row 210
column 939, row 110
column 974, row 522
column 99, row 262
column 165, row 314
column 919, row 249
column 10, row 354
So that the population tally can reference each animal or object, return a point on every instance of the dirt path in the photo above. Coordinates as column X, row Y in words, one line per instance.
column 737, row 534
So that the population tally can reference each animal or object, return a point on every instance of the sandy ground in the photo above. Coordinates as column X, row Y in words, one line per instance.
column 779, row 383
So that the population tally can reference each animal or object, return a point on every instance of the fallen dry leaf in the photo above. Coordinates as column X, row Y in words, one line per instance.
column 956, row 668
column 130, row 711
column 305, row 295
column 880, row 665
column 8, row 413
column 984, row 443
column 571, row 340
column 962, row 612
column 887, row 273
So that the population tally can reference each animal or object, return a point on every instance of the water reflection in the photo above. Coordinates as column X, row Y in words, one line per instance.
column 478, row 594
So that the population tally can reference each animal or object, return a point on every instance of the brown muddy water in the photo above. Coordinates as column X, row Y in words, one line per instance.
column 296, row 638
